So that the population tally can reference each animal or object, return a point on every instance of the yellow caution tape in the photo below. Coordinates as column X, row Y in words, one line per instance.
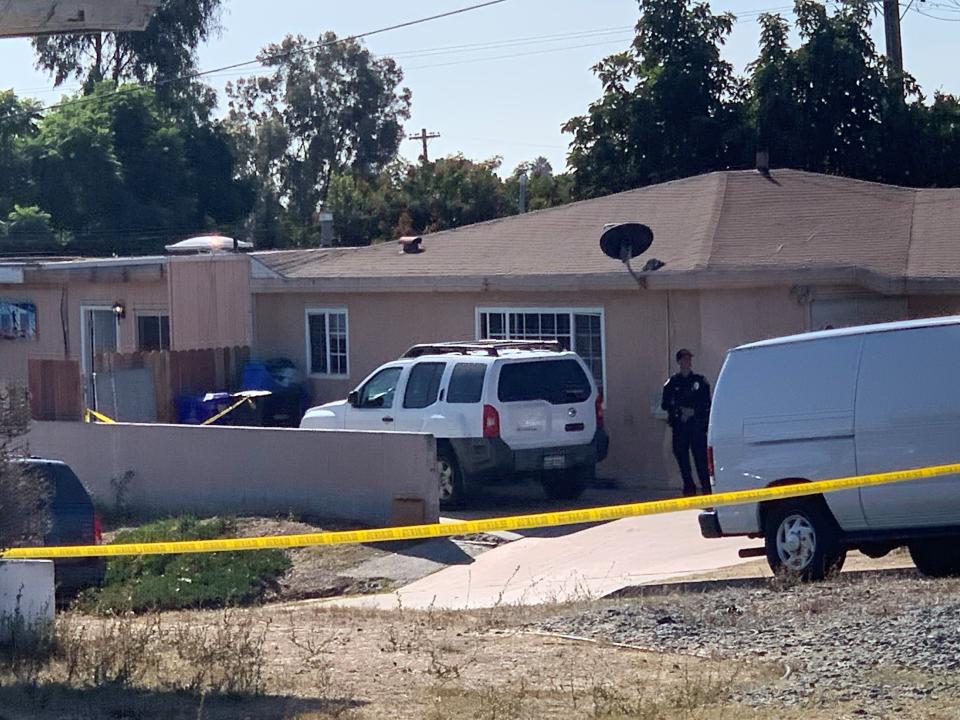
column 464, row 527
column 89, row 414
column 212, row 420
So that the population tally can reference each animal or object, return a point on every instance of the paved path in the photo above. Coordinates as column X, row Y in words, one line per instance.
column 560, row 564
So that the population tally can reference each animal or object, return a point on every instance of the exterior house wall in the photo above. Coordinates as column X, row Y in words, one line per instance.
column 638, row 347
column 924, row 306
column 59, row 317
column 209, row 301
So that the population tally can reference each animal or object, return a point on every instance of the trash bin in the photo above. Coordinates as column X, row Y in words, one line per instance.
column 288, row 401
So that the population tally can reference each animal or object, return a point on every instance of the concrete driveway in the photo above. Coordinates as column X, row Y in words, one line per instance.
column 568, row 563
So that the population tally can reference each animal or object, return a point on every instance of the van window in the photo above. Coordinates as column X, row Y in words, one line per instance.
column 556, row 381
column 466, row 383
column 423, row 385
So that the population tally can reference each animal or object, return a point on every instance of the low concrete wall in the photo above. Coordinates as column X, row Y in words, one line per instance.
column 26, row 597
column 373, row 478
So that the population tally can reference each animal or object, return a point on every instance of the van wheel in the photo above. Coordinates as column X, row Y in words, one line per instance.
column 801, row 539
column 452, row 493
column 566, row 484
column 936, row 557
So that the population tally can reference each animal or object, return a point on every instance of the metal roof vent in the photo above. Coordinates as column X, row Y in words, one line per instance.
column 208, row 244
column 411, row 244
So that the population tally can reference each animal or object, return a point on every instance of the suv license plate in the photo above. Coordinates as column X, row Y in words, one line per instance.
column 554, row 462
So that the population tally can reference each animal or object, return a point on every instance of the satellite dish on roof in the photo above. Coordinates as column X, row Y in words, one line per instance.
column 624, row 241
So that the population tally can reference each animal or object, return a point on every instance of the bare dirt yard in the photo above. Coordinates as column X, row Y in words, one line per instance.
column 878, row 645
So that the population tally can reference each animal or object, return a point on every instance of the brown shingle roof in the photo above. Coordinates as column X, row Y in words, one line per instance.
column 706, row 229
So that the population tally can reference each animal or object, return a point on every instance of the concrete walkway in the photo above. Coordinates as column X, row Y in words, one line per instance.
column 561, row 564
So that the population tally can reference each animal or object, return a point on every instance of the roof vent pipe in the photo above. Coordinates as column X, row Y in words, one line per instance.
column 763, row 162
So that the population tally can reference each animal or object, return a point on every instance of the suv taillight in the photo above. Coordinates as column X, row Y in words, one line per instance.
column 599, row 410
column 491, row 422
column 710, row 461
column 97, row 531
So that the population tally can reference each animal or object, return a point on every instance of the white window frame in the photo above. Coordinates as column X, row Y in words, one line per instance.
column 147, row 312
column 308, row 313
column 571, row 311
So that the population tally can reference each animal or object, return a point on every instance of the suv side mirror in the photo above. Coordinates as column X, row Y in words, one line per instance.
column 353, row 398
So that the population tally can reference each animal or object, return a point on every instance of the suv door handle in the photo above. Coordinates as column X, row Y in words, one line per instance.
column 387, row 419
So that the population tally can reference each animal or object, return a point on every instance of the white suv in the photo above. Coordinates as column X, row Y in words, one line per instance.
column 499, row 410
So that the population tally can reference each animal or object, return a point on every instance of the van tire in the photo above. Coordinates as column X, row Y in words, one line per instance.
column 802, row 540
column 936, row 557
column 450, row 478
column 566, row 484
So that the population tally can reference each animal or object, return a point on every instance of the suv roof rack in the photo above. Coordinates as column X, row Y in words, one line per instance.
column 488, row 347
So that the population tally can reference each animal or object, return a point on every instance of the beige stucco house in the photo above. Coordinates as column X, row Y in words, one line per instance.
column 745, row 256
column 71, row 309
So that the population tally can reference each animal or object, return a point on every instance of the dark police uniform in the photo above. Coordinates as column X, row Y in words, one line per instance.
column 693, row 392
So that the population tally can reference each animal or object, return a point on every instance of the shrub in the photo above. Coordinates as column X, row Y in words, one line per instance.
column 202, row 580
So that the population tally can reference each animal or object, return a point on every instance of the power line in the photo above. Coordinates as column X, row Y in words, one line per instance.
column 267, row 58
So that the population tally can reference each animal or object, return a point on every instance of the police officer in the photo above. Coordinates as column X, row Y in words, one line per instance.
column 686, row 398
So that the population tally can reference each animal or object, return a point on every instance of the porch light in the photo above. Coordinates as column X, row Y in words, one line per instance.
column 119, row 309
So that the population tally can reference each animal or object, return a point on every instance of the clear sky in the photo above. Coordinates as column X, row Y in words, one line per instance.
column 503, row 79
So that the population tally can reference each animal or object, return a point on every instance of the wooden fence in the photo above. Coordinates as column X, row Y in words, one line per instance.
column 54, row 389
column 181, row 372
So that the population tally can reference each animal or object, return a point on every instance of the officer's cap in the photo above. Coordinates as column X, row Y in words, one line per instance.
column 683, row 351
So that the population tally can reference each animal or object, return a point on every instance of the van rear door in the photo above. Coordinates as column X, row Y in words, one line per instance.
column 908, row 416
column 544, row 403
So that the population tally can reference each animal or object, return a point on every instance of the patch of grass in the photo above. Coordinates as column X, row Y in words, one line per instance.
column 170, row 582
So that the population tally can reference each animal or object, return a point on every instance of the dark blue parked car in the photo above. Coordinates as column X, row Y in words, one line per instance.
column 72, row 522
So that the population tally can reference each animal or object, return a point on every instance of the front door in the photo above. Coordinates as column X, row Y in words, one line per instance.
column 375, row 402
column 100, row 334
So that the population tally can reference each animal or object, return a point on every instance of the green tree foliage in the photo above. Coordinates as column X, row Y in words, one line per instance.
column 671, row 105
column 28, row 230
column 328, row 108
column 18, row 121
column 544, row 188
column 116, row 171
column 165, row 49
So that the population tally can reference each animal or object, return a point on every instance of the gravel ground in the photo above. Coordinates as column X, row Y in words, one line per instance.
column 876, row 643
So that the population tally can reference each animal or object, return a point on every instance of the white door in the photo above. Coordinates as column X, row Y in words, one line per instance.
column 421, row 403
column 100, row 333
column 908, row 416
column 376, row 401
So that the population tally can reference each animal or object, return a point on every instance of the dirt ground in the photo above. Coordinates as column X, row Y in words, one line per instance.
column 722, row 654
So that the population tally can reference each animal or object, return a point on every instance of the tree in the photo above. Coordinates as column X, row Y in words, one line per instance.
column 166, row 49
column 448, row 193
column 28, row 230
column 544, row 188
column 18, row 122
column 329, row 108
column 122, row 174
column 24, row 497
column 671, row 106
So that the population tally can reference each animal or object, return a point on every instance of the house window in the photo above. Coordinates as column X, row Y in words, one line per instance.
column 327, row 342
column 577, row 329
column 153, row 332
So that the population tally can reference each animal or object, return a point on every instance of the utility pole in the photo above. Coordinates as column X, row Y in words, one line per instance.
column 423, row 136
column 891, row 25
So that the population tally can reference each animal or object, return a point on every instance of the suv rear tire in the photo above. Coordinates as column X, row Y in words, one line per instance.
column 801, row 539
column 452, row 491
column 566, row 484
column 936, row 557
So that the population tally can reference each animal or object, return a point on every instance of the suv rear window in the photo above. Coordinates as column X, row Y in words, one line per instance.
column 466, row 383
column 556, row 381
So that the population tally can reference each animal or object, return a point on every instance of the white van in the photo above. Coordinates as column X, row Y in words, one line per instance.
column 837, row 403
